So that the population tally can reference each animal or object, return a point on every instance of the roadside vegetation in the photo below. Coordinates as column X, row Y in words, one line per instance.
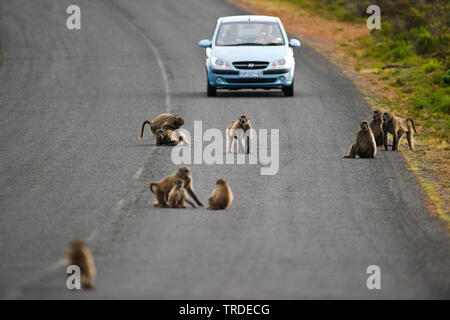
column 404, row 67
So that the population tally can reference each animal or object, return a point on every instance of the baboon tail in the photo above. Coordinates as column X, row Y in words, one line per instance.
column 153, row 184
column 413, row 124
column 143, row 127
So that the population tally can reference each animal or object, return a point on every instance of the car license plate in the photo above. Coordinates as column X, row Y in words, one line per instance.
column 250, row 74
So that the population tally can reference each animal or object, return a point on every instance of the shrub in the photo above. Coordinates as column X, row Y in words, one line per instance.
column 398, row 50
column 431, row 65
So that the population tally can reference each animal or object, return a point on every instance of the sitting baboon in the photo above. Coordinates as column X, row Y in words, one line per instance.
column 169, row 137
column 397, row 127
column 221, row 196
column 177, row 196
column 365, row 146
column 376, row 127
column 79, row 255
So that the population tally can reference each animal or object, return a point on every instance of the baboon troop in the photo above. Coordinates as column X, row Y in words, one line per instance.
column 376, row 134
column 173, row 190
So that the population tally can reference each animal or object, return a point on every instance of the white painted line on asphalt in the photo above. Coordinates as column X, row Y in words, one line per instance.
column 138, row 173
column 91, row 236
column 119, row 205
column 57, row 265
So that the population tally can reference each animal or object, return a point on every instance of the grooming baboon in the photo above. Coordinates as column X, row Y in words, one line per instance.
column 376, row 127
column 397, row 127
column 79, row 255
column 169, row 137
column 237, row 131
column 177, row 196
column 365, row 146
column 164, row 186
column 221, row 196
column 164, row 120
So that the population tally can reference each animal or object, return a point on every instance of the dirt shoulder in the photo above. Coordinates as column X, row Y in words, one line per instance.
column 340, row 43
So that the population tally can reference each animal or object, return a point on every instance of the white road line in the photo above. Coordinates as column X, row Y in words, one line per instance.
column 119, row 205
column 91, row 236
column 57, row 265
column 138, row 173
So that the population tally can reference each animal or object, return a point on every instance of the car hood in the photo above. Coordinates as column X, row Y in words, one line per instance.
column 250, row 53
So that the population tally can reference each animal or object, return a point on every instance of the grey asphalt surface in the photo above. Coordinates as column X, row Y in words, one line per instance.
column 71, row 166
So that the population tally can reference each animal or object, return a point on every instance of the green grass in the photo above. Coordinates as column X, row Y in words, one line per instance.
column 340, row 10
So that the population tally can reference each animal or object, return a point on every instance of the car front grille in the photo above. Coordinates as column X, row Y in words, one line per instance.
column 250, row 65
column 276, row 71
column 218, row 71
column 252, row 80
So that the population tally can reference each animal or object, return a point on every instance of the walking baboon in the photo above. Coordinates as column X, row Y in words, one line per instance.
column 237, row 131
column 397, row 127
column 164, row 120
column 164, row 186
column 79, row 255
column 221, row 196
column 376, row 127
column 365, row 146
column 177, row 196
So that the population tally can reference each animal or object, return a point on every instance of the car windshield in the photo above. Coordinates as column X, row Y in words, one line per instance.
column 249, row 33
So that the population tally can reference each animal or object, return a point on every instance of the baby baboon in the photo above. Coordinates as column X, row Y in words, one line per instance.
column 365, row 146
column 237, row 131
column 376, row 127
column 221, row 196
column 177, row 196
column 397, row 127
column 169, row 137
column 79, row 255
column 164, row 120
column 164, row 186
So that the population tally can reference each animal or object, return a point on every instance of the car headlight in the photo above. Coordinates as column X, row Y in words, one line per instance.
column 219, row 63
column 284, row 62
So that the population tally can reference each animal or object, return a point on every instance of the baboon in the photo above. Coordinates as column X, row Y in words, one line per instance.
column 237, row 131
column 177, row 196
column 221, row 196
column 164, row 120
column 365, row 146
column 376, row 127
column 169, row 137
column 79, row 255
column 397, row 127
column 164, row 186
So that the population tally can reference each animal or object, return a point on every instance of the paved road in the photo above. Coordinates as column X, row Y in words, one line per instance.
column 71, row 166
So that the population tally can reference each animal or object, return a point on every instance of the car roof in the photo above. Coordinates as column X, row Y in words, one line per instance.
column 248, row 18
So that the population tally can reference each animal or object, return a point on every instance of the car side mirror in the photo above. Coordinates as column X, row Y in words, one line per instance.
column 294, row 43
column 205, row 43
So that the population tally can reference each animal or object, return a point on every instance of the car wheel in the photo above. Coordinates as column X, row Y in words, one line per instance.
column 210, row 90
column 289, row 90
